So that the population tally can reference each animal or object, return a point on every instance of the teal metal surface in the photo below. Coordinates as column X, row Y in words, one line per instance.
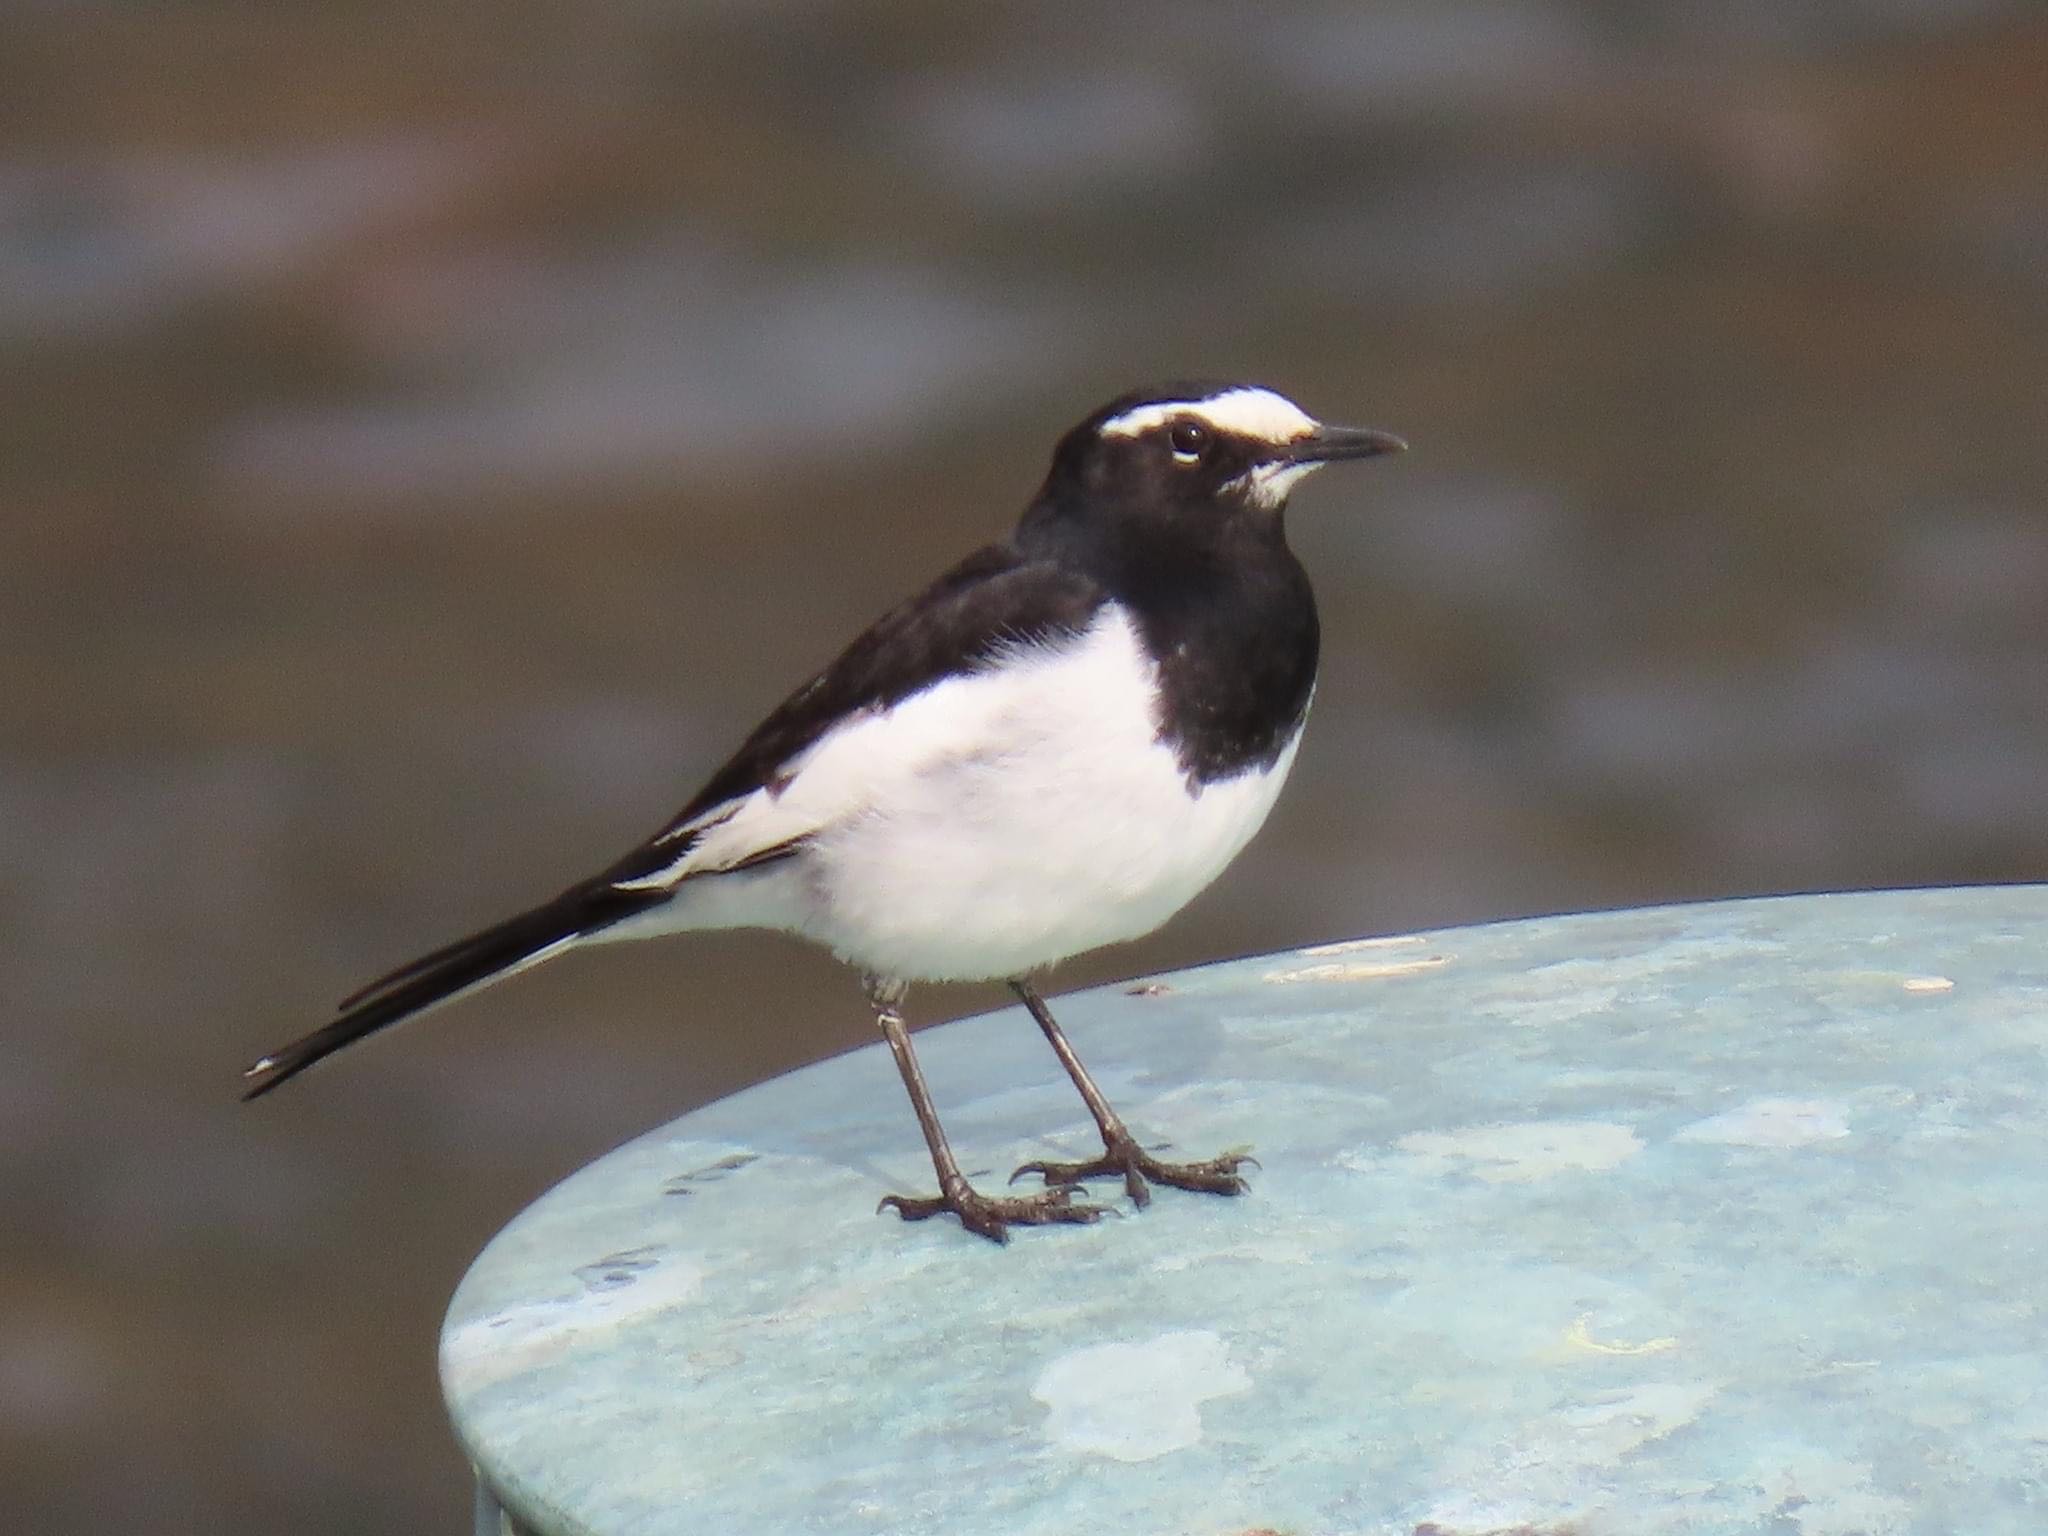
column 1710, row 1218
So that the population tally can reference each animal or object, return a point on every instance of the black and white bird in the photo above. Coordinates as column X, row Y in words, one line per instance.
column 1053, row 747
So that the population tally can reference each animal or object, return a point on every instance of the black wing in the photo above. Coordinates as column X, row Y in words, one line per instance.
column 994, row 598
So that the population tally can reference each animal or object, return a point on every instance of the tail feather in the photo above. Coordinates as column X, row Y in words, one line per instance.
column 452, row 970
column 447, row 953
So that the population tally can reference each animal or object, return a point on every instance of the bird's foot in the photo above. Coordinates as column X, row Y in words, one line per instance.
column 993, row 1215
column 1139, row 1168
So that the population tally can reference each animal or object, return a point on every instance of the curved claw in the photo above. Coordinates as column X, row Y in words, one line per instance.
column 1138, row 1169
column 992, row 1216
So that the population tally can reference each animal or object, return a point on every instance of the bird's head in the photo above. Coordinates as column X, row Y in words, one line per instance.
column 1178, row 448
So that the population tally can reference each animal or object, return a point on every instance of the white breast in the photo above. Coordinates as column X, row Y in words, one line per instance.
column 989, row 825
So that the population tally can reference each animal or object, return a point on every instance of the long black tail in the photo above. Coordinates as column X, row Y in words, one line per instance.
column 452, row 970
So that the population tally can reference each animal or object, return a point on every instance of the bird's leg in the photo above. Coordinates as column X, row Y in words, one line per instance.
column 988, row 1215
column 1121, row 1153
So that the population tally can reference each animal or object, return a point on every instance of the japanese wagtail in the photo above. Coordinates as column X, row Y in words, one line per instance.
column 1053, row 747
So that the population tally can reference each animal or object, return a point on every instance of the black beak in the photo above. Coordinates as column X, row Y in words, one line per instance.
column 1327, row 444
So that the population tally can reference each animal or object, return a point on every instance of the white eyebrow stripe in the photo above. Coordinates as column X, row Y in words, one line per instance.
column 1257, row 413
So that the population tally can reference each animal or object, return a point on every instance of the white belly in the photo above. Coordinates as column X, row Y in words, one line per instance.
column 990, row 825
column 1073, row 828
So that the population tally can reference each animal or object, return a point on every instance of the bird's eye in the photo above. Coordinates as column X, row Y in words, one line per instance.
column 1188, row 439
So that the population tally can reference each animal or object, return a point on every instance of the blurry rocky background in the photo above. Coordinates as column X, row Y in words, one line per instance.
column 430, row 434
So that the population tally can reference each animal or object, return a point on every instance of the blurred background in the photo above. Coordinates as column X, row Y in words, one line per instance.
column 431, row 435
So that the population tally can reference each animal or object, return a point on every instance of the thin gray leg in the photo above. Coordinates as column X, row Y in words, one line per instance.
column 1121, row 1153
column 986, row 1214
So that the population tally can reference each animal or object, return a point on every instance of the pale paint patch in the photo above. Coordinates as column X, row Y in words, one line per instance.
column 1136, row 1402
column 1036, row 798
column 1526, row 1154
column 1580, row 1336
column 1928, row 984
column 1356, row 970
column 1772, row 1123
column 1350, row 946
column 1253, row 413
